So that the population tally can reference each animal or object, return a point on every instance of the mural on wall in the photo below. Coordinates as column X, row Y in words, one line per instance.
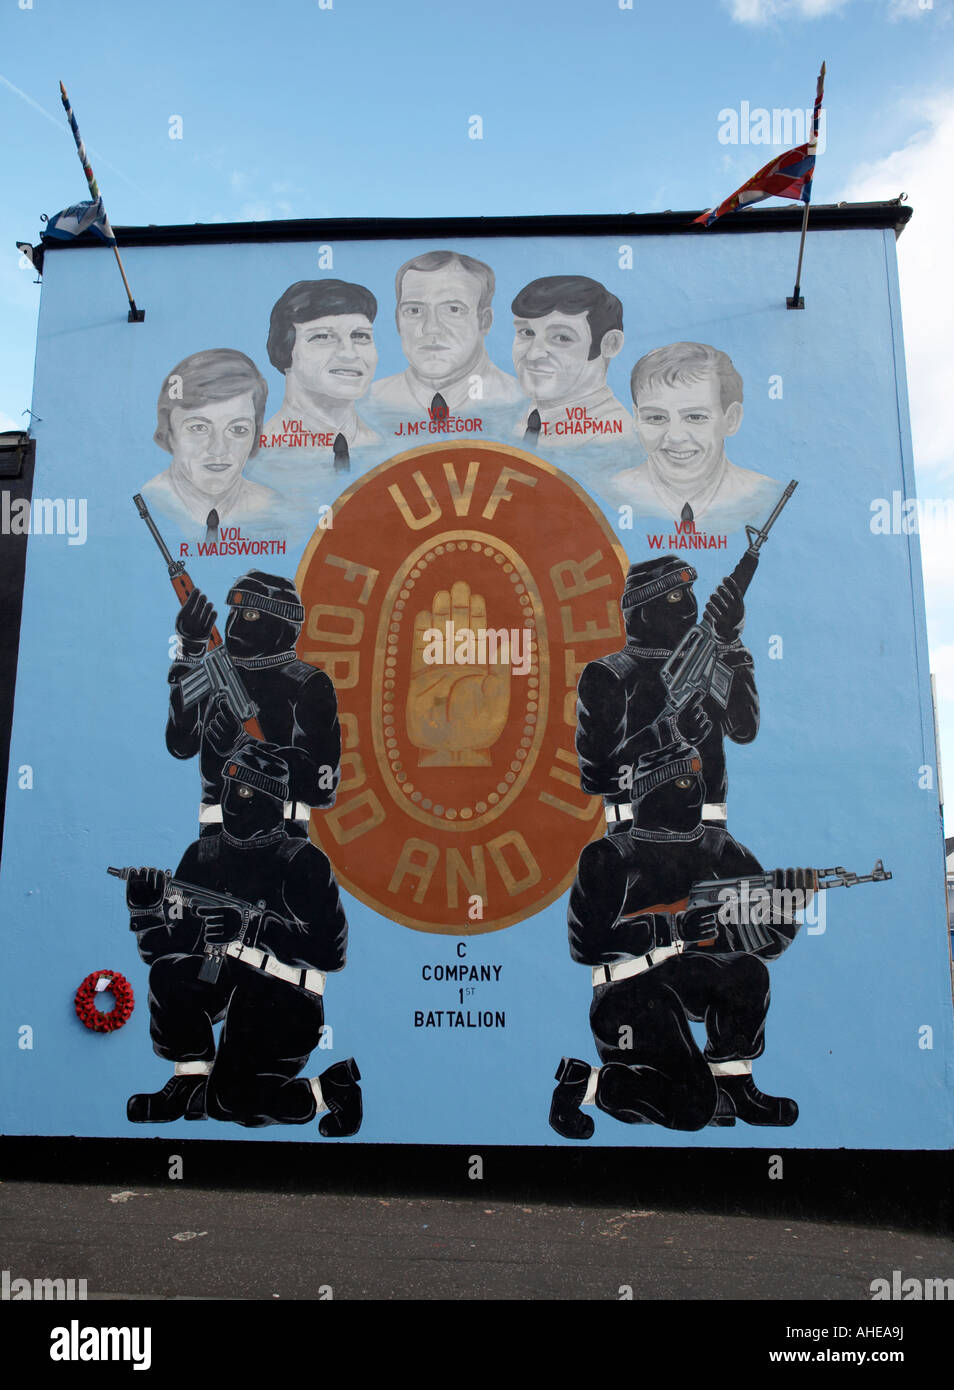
column 209, row 418
column 321, row 338
column 442, row 680
column 673, row 916
column 243, row 935
column 658, row 963
column 252, row 922
column 450, row 386
column 454, row 626
column 566, row 330
column 458, row 605
column 687, row 400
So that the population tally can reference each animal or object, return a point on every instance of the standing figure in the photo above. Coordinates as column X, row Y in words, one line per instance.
column 297, row 706
column 622, row 700
column 274, row 946
column 658, row 964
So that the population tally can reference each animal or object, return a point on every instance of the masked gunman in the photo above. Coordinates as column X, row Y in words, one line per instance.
column 622, row 700
column 273, row 949
column 297, row 706
column 657, row 965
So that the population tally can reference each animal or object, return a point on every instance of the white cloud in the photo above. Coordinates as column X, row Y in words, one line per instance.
column 7, row 422
column 942, row 664
column 920, row 168
column 262, row 210
column 909, row 9
column 926, row 269
column 764, row 11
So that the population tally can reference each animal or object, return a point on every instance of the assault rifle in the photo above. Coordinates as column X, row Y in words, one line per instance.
column 746, row 904
column 695, row 665
column 216, row 675
column 192, row 895
column 742, row 906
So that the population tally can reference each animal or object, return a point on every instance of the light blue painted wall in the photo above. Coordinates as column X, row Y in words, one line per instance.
column 832, row 777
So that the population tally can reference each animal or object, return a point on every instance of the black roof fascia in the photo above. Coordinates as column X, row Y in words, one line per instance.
column 824, row 217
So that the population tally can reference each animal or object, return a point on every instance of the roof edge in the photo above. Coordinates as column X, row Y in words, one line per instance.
column 824, row 217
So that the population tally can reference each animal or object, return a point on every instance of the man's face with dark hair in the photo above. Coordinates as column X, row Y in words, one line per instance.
column 555, row 359
column 333, row 357
column 210, row 443
column 442, row 330
column 550, row 354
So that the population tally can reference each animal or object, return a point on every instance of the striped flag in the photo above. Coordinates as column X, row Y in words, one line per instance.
column 788, row 176
column 90, row 216
column 81, row 217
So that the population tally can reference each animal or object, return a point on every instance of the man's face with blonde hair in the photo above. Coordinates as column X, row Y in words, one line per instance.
column 683, row 426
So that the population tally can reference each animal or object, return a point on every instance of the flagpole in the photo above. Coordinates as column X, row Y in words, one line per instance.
column 135, row 315
column 795, row 301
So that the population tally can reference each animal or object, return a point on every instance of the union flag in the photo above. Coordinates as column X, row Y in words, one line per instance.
column 787, row 176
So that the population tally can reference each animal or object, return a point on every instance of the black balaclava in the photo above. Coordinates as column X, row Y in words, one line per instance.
column 658, row 604
column 266, row 617
column 668, row 790
column 254, row 792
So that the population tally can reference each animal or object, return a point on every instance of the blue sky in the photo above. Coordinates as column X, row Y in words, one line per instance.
column 363, row 109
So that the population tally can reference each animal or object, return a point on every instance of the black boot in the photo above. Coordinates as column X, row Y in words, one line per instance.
column 566, row 1117
column 617, row 1092
column 342, row 1095
column 739, row 1096
column 171, row 1103
column 195, row 1106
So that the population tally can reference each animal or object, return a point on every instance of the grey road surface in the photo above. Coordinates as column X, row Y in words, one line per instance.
column 174, row 1242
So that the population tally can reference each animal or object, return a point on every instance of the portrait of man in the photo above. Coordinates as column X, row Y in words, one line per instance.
column 567, row 328
column 321, row 338
column 687, row 400
column 444, row 314
column 209, row 418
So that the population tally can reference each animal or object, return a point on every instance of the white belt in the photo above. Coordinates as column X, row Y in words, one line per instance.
column 311, row 980
column 294, row 810
column 625, row 969
column 711, row 811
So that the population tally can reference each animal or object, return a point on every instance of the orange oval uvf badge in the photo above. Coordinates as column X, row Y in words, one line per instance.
column 453, row 602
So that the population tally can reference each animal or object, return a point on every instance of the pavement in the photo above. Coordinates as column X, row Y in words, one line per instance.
column 166, row 1241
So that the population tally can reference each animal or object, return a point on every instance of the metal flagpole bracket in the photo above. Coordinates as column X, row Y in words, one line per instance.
column 795, row 302
column 135, row 315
